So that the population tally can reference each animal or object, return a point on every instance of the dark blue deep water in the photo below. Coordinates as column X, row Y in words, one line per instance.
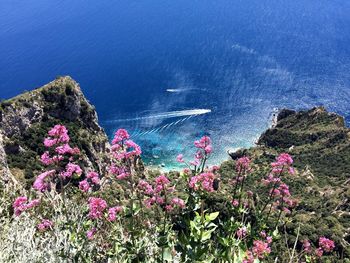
column 171, row 71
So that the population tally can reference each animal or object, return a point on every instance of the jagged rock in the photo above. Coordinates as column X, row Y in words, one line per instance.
column 237, row 154
column 25, row 120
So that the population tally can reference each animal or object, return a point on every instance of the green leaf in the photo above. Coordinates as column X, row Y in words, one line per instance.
column 212, row 216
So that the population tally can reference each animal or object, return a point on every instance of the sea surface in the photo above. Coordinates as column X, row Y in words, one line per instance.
column 171, row 71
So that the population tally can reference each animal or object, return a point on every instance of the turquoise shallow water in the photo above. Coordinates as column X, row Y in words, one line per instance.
column 171, row 71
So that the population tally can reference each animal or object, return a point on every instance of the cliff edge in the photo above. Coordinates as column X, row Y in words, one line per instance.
column 26, row 119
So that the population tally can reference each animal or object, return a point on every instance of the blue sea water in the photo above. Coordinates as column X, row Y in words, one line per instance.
column 171, row 71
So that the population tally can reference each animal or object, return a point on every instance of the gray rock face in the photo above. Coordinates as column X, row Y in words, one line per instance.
column 5, row 174
column 25, row 119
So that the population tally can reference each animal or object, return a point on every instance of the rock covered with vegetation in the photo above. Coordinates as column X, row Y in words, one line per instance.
column 25, row 120
column 319, row 142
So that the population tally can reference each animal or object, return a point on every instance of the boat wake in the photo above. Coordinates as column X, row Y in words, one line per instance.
column 166, row 115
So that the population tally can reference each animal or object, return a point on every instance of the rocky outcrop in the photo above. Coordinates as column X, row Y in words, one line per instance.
column 25, row 120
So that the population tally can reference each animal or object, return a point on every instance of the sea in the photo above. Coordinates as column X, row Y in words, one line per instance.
column 171, row 71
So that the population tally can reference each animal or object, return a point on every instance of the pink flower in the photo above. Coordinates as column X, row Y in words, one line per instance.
column 307, row 246
column 145, row 187
column 63, row 149
column 241, row 232
column 199, row 155
column 44, row 225
column 319, row 252
column 187, row 171
column 133, row 149
column 180, row 158
column 91, row 175
column 33, row 203
column 203, row 142
column 84, row 185
column 21, row 204
column 326, row 244
column 120, row 136
column 195, row 162
column 41, row 184
column 60, row 132
column 242, row 164
column 91, row 233
column 284, row 189
column 249, row 258
column 285, row 159
column 96, row 207
column 178, row 202
column 269, row 240
column 169, row 208
column 204, row 181
column 57, row 158
column 94, row 177
column 162, row 180
column 261, row 248
column 149, row 202
column 160, row 200
column 122, row 176
column 120, row 172
column 71, row 168
column 113, row 211
column 45, row 158
column 208, row 149
column 282, row 161
column 49, row 142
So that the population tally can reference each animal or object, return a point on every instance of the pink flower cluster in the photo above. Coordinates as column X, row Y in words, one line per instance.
column 113, row 211
column 180, row 158
column 205, row 144
column 283, row 161
column 120, row 173
column 96, row 207
column 241, row 232
column 42, row 182
column 260, row 249
column 91, row 180
column 242, row 164
column 326, row 244
column 21, row 204
column 59, row 139
column 203, row 181
column 204, row 147
column 71, row 169
column 91, row 233
column 123, row 147
column 44, row 225
column 307, row 246
column 157, row 194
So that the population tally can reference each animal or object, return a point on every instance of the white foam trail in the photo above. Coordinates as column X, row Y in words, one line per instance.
column 181, row 90
column 166, row 115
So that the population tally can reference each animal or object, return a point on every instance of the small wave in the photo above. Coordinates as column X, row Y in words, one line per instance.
column 166, row 115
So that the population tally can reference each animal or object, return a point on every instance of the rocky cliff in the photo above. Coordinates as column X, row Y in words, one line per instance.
column 25, row 120
column 319, row 142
